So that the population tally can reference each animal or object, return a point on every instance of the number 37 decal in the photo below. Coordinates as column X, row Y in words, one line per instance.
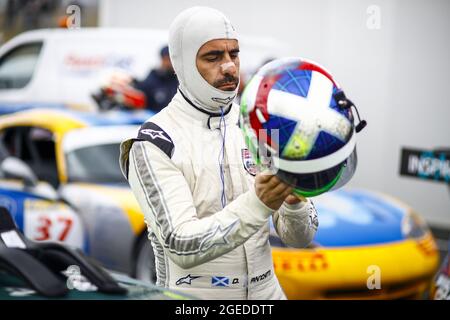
column 46, row 221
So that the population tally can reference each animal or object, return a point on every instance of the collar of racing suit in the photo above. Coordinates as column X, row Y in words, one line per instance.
column 207, row 119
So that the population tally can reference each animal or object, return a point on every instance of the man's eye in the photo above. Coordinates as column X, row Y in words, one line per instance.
column 212, row 58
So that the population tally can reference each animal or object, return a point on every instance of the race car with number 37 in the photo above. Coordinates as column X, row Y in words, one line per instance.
column 61, row 181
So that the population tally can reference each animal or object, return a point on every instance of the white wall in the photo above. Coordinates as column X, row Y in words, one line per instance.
column 398, row 75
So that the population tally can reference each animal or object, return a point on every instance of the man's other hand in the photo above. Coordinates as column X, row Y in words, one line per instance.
column 294, row 199
column 272, row 191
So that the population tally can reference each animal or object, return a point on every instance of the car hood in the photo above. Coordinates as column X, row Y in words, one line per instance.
column 357, row 217
column 13, row 288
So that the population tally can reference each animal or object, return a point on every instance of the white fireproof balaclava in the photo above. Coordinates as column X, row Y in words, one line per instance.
column 188, row 32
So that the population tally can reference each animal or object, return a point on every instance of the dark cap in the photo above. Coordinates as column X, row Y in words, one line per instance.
column 164, row 51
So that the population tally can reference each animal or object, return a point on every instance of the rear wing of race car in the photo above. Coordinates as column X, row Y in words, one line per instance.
column 41, row 265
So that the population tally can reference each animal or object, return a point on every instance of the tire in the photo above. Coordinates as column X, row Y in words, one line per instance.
column 145, row 268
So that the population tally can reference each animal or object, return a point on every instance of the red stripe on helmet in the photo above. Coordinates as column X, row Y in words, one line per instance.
column 313, row 67
column 264, row 88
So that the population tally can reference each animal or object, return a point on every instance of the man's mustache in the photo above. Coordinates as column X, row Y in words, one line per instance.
column 228, row 79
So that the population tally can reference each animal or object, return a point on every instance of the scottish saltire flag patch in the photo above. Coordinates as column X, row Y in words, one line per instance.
column 220, row 281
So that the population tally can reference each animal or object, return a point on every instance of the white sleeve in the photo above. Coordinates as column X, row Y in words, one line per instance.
column 166, row 201
column 296, row 224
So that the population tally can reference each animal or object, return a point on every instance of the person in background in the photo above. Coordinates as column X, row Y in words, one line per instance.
column 161, row 83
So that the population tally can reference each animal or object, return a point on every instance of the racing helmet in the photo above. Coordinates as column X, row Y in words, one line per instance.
column 297, row 120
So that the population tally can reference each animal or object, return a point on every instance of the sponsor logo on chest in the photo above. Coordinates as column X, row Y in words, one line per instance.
column 247, row 161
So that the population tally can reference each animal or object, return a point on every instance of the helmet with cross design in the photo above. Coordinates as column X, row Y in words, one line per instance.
column 297, row 120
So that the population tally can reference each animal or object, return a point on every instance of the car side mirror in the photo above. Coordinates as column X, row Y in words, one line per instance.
column 14, row 168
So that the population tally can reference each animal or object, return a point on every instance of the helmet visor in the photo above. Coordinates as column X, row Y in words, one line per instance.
column 314, row 184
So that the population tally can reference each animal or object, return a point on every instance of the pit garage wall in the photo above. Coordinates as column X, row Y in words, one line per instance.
column 396, row 69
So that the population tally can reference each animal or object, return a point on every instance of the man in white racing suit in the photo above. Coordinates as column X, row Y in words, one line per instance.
column 206, row 207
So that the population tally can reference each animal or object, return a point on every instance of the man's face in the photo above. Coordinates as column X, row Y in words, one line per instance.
column 218, row 63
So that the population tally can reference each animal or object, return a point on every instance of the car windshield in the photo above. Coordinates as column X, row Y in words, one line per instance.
column 95, row 164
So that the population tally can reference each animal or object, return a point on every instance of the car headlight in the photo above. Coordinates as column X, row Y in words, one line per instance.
column 413, row 226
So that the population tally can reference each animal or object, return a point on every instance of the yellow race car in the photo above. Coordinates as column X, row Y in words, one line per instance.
column 367, row 246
